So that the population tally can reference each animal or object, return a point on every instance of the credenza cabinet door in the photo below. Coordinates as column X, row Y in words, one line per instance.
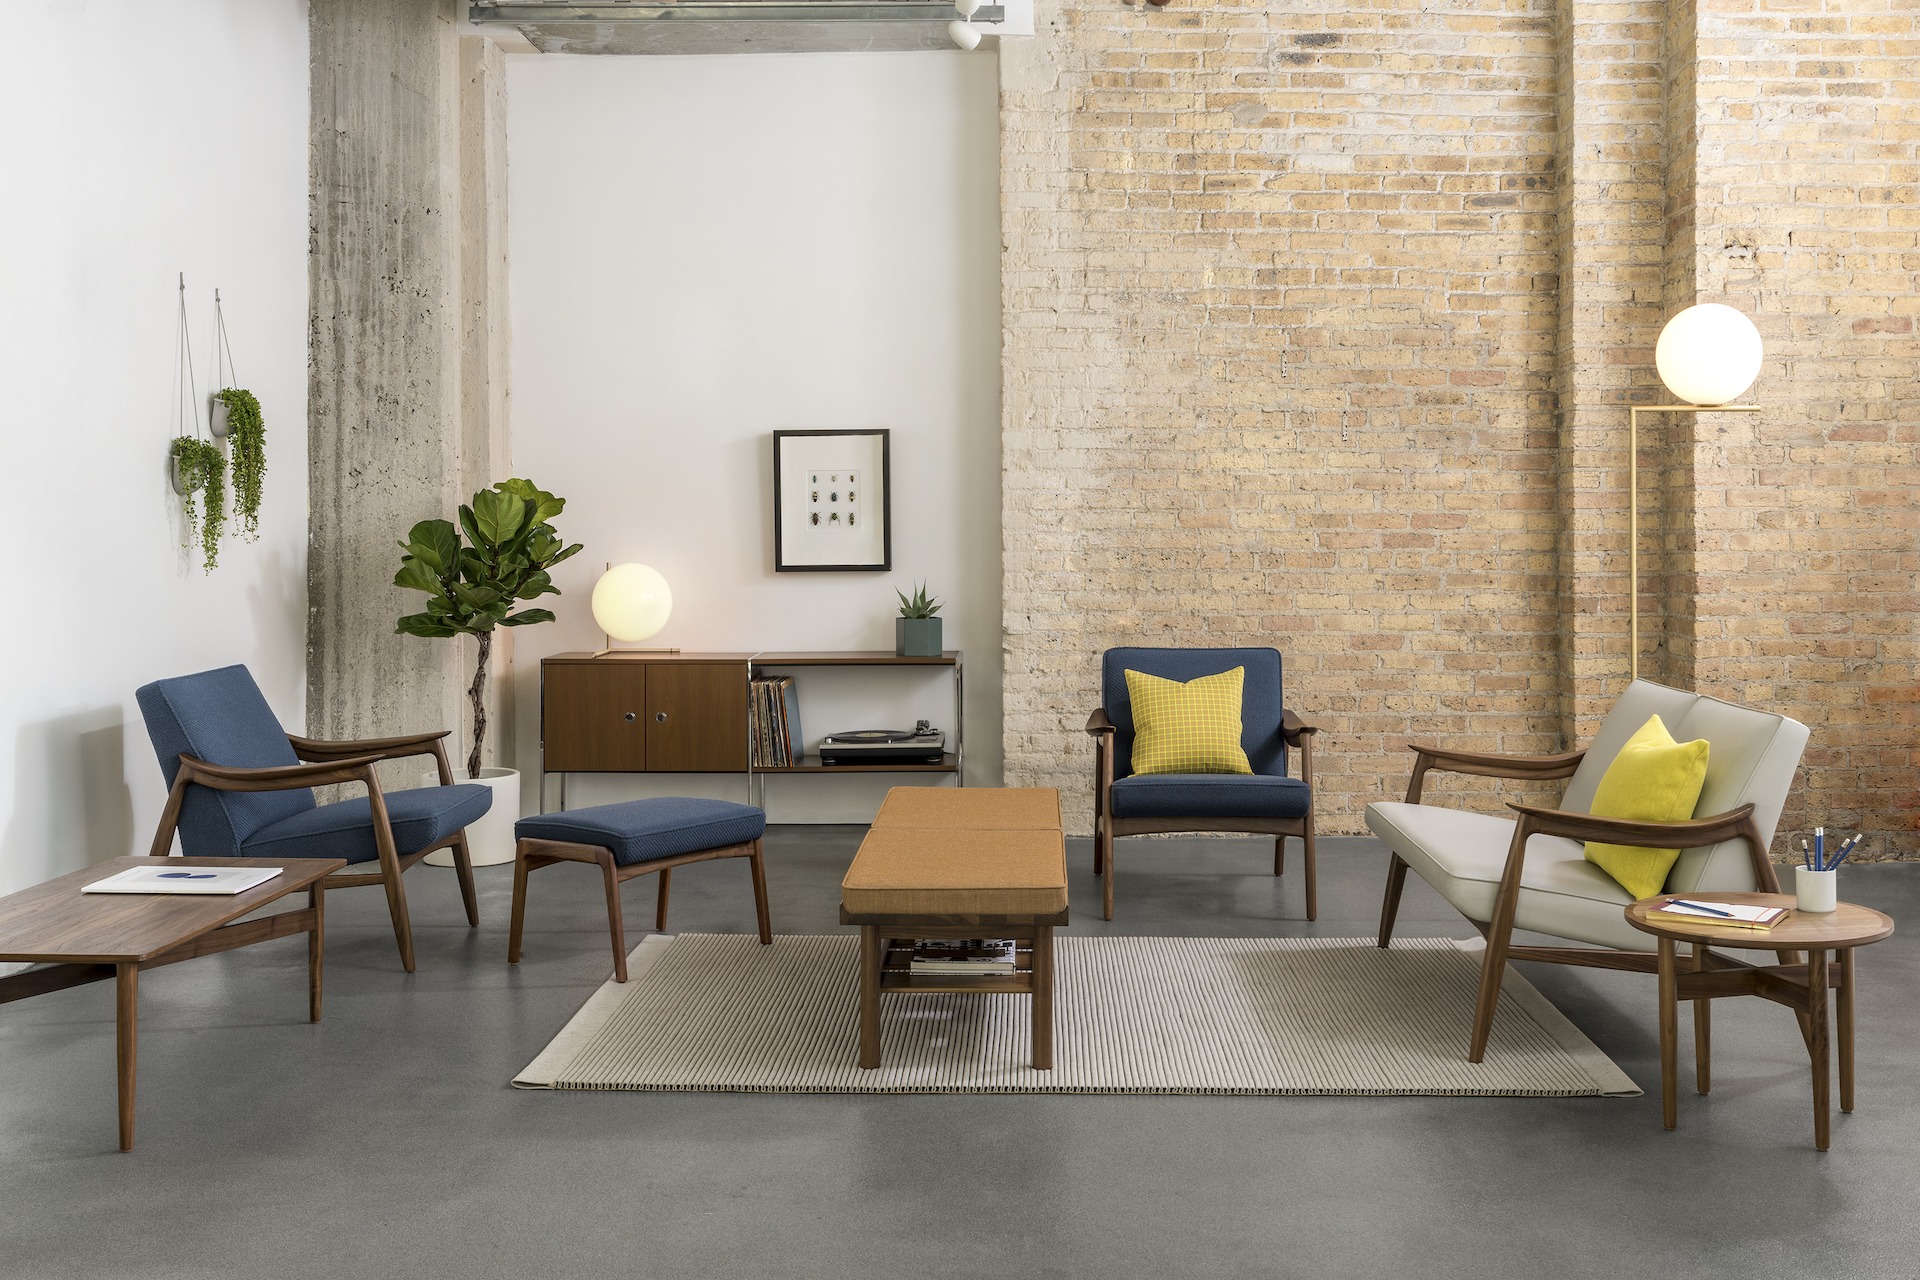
column 696, row 717
column 594, row 717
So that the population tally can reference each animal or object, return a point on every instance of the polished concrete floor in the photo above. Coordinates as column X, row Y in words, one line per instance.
column 386, row 1142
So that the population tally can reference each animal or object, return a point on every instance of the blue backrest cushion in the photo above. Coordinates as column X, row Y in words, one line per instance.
column 1259, row 698
column 221, row 717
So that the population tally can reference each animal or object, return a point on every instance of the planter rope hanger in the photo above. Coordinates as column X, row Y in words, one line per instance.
column 199, row 465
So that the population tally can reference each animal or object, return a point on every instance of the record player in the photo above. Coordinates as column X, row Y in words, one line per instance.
column 922, row 744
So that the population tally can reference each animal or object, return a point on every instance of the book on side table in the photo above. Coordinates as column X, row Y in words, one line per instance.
column 964, row 955
column 1731, row 914
column 221, row 880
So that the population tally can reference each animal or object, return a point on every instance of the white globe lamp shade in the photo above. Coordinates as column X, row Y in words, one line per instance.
column 967, row 8
column 1708, row 354
column 964, row 34
column 632, row 602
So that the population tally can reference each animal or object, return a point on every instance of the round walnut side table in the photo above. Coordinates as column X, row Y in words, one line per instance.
column 1800, row 985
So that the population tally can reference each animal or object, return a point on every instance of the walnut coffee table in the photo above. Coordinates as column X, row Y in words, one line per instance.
column 89, row 937
column 975, row 862
column 1801, row 987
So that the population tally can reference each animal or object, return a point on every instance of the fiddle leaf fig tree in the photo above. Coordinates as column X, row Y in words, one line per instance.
column 475, row 585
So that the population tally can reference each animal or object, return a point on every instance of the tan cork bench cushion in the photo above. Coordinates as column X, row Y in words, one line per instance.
column 972, row 851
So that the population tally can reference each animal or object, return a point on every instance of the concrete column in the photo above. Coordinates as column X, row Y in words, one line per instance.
column 485, row 346
column 407, row 399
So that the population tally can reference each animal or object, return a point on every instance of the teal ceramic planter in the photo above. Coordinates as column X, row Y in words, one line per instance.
column 916, row 637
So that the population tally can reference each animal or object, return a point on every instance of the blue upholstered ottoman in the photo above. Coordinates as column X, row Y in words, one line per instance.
column 638, row 838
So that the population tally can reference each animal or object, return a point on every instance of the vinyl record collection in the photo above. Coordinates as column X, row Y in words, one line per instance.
column 777, row 742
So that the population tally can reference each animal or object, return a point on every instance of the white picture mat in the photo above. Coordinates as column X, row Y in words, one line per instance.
column 804, row 543
column 184, row 879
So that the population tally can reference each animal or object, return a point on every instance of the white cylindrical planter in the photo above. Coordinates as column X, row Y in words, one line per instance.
column 489, row 840
column 217, row 423
column 1815, row 891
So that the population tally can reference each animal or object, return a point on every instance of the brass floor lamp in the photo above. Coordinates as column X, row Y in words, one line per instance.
column 1707, row 355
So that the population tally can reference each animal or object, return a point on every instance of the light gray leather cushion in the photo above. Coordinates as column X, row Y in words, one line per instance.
column 1752, row 757
column 1462, row 854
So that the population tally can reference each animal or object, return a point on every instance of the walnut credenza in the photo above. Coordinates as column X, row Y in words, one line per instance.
column 689, row 713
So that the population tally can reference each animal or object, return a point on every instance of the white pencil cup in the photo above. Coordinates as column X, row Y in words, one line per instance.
column 1815, row 890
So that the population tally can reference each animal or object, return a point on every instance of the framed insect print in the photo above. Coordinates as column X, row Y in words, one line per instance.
column 832, row 501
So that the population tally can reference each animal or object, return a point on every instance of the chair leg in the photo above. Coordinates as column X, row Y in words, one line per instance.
column 517, row 928
column 463, row 867
column 390, row 872
column 660, row 902
column 760, row 895
column 1390, row 905
column 1099, row 848
column 1106, row 881
column 1492, row 969
column 1279, row 855
column 614, row 923
column 1313, row 889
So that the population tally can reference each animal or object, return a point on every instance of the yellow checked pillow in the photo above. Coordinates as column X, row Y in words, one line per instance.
column 1187, row 728
column 1653, row 779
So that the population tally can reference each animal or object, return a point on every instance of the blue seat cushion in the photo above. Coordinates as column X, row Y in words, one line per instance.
column 1211, row 795
column 643, row 830
column 421, row 818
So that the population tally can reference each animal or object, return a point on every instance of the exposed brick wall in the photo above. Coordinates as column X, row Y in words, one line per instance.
column 1808, row 196
column 1320, row 325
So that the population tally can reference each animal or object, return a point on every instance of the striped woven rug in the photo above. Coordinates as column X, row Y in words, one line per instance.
column 1133, row 1015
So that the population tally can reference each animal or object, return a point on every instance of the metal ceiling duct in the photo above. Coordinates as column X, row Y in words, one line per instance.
column 730, row 26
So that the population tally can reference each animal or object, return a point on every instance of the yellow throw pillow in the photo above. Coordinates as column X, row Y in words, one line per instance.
column 1187, row 728
column 1653, row 779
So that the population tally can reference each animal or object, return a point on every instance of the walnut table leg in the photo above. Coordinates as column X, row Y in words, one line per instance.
column 126, row 1028
column 1817, row 1047
column 873, row 949
column 1043, row 998
column 1669, row 1032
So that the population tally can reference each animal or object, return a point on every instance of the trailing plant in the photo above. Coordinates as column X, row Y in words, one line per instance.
column 919, row 606
column 203, row 476
column 475, row 587
column 247, row 431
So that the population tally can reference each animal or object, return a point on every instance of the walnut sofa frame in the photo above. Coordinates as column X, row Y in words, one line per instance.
column 1534, row 820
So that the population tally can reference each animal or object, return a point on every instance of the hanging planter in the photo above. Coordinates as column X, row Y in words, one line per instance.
column 199, row 465
column 200, row 478
column 234, row 416
column 246, row 433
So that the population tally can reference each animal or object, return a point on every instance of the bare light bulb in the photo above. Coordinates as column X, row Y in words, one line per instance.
column 964, row 34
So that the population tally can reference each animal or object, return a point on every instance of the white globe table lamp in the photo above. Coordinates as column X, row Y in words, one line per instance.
column 1707, row 356
column 631, row 602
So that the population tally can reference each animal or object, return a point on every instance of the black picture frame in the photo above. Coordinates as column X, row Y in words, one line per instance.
column 784, row 556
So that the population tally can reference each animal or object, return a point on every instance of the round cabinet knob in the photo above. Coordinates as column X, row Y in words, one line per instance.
column 660, row 717
column 630, row 717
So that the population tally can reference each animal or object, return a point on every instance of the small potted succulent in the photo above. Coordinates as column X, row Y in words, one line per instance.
column 916, row 632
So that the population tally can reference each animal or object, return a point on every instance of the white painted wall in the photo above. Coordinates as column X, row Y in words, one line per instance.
column 707, row 249
column 140, row 142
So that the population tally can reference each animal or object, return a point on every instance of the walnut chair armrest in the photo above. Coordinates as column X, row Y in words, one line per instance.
column 1694, row 833
column 1428, row 756
column 403, row 747
column 1098, row 725
column 287, row 777
column 1295, row 730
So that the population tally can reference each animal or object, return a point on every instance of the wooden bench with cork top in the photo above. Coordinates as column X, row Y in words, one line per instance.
column 976, row 862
